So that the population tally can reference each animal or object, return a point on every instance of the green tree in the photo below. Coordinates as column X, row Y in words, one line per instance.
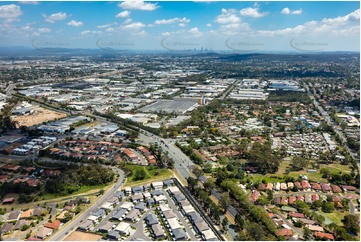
column 307, row 234
column 352, row 222
column 225, row 223
column 140, row 174
column 328, row 207
column 225, row 201
column 300, row 162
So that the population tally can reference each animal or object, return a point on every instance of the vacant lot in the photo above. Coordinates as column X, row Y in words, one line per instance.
column 152, row 173
column 81, row 236
column 39, row 116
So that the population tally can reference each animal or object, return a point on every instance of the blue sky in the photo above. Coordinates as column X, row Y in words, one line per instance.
column 134, row 24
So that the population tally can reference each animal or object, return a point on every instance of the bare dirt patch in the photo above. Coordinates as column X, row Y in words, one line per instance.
column 81, row 236
column 39, row 116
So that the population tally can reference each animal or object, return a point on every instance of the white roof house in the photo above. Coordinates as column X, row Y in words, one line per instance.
column 173, row 190
column 127, row 205
column 123, row 228
column 174, row 224
column 160, row 199
column 208, row 235
column 157, row 185
column 107, row 206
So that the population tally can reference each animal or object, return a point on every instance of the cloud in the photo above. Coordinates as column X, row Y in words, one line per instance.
column 209, row 25
column 227, row 17
column 195, row 32
column 104, row 26
column 252, row 12
column 55, row 17
column 90, row 32
column 75, row 23
column 230, row 22
column 132, row 26
column 288, row 11
column 182, row 22
column 348, row 24
column 44, row 30
column 10, row 12
column 29, row 2
column 138, row 5
column 124, row 14
column 127, row 21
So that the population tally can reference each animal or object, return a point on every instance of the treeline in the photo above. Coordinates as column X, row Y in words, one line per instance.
column 190, row 153
column 72, row 180
column 6, row 123
column 288, row 96
column 255, row 215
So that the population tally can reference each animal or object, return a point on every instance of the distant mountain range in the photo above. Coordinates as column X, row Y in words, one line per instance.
column 226, row 55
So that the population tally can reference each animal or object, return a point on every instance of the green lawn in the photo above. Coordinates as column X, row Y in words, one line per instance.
column 335, row 217
column 334, row 168
column 151, row 172
column 81, row 190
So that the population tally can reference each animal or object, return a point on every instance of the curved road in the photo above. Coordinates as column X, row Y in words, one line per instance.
column 72, row 225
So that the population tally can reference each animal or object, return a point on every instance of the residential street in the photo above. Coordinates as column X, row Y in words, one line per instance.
column 73, row 224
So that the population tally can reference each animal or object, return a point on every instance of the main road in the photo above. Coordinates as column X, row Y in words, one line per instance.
column 73, row 224
column 182, row 163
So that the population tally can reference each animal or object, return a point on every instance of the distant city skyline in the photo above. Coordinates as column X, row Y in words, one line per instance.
column 199, row 25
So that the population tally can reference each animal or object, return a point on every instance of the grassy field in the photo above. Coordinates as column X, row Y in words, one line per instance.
column 83, row 189
column 335, row 217
column 153, row 173
column 317, row 176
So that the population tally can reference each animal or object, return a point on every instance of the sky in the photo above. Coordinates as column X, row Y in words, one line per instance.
column 166, row 25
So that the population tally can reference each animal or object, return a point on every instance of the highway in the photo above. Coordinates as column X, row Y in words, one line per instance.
column 182, row 163
column 73, row 224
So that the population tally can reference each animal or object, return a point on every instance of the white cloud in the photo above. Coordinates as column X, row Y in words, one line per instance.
column 228, row 16
column 75, row 23
column 124, row 14
column 127, row 21
column 195, row 32
column 104, row 26
column 182, row 22
column 55, row 17
column 10, row 12
column 230, row 22
column 297, row 12
column 44, row 30
column 29, row 2
column 288, row 11
column 138, row 5
column 90, row 32
column 348, row 24
column 132, row 26
column 252, row 12
column 209, row 25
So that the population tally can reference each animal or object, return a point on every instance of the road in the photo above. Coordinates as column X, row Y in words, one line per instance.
column 225, row 94
column 9, row 90
column 352, row 207
column 72, row 225
column 182, row 163
column 290, row 224
column 329, row 121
